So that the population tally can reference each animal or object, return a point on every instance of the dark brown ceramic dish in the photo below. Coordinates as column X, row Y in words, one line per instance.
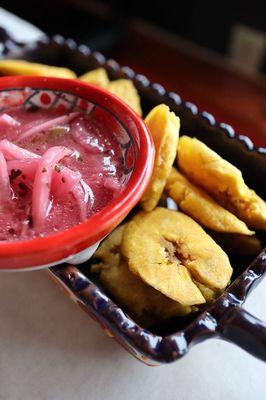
column 224, row 318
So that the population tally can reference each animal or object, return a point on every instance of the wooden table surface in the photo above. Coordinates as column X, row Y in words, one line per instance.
column 207, row 81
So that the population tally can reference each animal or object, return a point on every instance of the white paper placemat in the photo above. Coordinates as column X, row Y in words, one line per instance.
column 51, row 349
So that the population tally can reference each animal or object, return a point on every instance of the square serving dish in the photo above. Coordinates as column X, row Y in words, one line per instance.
column 224, row 318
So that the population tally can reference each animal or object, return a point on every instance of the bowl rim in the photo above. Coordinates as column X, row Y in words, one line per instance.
column 101, row 223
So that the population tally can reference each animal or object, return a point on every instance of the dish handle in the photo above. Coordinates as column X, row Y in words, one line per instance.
column 243, row 329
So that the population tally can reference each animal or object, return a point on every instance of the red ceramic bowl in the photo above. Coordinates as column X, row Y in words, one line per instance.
column 78, row 243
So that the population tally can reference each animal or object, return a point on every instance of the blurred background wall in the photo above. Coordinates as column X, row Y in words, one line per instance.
column 211, row 53
column 236, row 29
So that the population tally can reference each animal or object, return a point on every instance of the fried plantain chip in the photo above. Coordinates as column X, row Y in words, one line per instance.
column 97, row 77
column 251, row 210
column 164, row 127
column 125, row 89
column 209, row 294
column 109, row 249
column 222, row 180
column 21, row 67
column 201, row 207
column 165, row 248
column 139, row 298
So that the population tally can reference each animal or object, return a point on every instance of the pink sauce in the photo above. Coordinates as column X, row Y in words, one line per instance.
column 55, row 170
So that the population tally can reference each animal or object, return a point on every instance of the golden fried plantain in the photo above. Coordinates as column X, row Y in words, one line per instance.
column 164, row 127
column 222, row 180
column 97, row 77
column 208, row 294
column 21, row 67
column 166, row 249
column 252, row 210
column 109, row 249
column 201, row 207
column 139, row 298
column 125, row 89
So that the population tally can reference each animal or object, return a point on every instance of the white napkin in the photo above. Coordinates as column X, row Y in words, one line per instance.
column 20, row 30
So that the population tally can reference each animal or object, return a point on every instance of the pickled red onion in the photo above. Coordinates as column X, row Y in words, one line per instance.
column 63, row 119
column 8, row 121
column 27, row 166
column 83, row 194
column 64, row 181
column 13, row 152
column 111, row 183
column 4, row 177
column 81, row 136
column 27, row 169
column 42, row 183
